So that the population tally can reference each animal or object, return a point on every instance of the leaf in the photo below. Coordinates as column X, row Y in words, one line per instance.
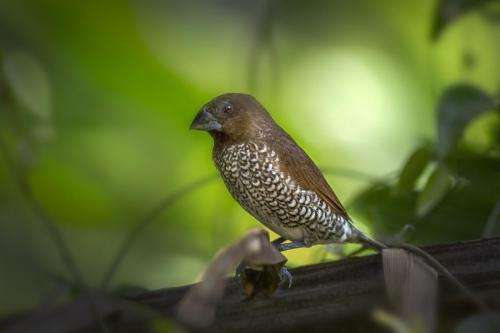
column 413, row 167
column 436, row 188
column 386, row 211
column 458, row 106
column 492, row 13
column 411, row 286
column 262, row 262
column 28, row 83
column 448, row 11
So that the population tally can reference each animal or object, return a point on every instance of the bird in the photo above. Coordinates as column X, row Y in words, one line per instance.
column 272, row 177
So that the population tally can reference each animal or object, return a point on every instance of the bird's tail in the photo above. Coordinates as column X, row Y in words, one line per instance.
column 355, row 235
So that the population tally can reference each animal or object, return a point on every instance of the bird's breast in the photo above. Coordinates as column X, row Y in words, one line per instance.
column 253, row 175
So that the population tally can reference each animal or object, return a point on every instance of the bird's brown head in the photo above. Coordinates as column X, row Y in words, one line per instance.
column 233, row 117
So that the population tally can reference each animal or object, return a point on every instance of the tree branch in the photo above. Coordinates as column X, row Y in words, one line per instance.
column 343, row 294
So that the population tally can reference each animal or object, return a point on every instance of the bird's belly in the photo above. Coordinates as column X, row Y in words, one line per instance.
column 266, row 206
column 259, row 206
column 293, row 234
column 261, row 212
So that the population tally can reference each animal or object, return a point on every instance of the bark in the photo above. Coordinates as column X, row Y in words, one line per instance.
column 340, row 296
column 329, row 297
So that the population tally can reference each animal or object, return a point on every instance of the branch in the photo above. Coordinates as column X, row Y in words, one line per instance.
column 343, row 294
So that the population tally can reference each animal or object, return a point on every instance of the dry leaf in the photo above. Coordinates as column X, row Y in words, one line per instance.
column 261, row 263
column 411, row 286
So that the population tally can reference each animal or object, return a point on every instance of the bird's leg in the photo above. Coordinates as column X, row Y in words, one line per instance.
column 290, row 246
column 278, row 244
column 285, row 275
column 278, row 241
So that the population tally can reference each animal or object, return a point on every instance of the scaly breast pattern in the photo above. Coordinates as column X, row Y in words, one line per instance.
column 251, row 172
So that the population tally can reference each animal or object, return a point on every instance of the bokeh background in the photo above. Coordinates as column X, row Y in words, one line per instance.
column 97, row 98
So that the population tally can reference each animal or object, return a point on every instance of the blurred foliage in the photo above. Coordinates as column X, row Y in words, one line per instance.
column 447, row 191
column 450, row 10
column 97, row 97
column 458, row 106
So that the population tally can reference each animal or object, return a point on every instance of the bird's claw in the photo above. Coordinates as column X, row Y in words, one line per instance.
column 286, row 276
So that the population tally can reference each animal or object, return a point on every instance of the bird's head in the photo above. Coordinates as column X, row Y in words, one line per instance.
column 233, row 116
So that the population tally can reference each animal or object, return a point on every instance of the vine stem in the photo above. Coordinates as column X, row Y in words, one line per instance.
column 143, row 223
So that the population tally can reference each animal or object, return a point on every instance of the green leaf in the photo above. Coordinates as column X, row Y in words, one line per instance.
column 471, row 198
column 413, row 167
column 28, row 83
column 436, row 188
column 458, row 106
column 448, row 11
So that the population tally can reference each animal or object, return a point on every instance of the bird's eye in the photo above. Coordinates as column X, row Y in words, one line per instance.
column 227, row 108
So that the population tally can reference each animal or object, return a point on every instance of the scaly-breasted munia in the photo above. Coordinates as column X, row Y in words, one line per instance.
column 271, row 177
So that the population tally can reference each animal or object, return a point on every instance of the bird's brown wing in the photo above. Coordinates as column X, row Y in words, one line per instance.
column 304, row 172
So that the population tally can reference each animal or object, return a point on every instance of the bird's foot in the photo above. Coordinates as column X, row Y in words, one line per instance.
column 286, row 277
column 278, row 241
column 289, row 246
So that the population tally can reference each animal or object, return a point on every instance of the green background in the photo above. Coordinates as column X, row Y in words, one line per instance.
column 114, row 86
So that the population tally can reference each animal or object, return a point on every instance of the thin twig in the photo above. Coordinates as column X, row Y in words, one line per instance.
column 150, row 216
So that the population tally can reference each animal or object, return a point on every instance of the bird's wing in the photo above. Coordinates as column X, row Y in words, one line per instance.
column 300, row 167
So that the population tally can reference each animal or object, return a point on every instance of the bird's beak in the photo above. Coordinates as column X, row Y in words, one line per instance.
column 205, row 121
